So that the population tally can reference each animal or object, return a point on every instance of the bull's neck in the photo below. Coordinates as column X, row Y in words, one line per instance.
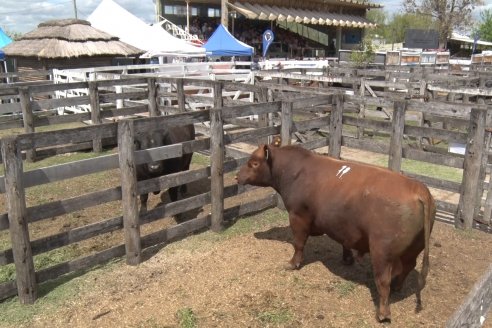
column 284, row 170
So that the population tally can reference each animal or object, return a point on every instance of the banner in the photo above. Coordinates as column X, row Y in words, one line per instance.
column 267, row 38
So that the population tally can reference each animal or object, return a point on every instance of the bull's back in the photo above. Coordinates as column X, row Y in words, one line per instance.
column 352, row 202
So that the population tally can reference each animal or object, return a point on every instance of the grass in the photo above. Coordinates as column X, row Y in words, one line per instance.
column 428, row 169
column 186, row 318
column 275, row 317
column 345, row 287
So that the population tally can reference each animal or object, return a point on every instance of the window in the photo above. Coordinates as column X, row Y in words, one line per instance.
column 168, row 10
column 194, row 11
column 212, row 12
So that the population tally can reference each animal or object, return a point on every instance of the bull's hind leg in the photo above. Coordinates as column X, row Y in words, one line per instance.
column 382, row 267
column 300, row 230
column 408, row 261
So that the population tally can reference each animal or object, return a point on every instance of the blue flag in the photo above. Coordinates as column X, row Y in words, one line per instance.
column 267, row 38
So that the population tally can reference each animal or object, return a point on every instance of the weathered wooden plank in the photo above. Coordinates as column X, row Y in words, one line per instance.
column 247, row 208
column 242, row 136
column 435, row 183
column 305, row 103
column 80, row 263
column 471, row 167
column 8, row 289
column 397, row 127
column 451, row 160
column 336, row 119
column 65, row 238
column 473, row 311
column 95, row 114
column 287, row 128
column 19, row 232
column 128, row 169
column 217, row 160
column 28, row 119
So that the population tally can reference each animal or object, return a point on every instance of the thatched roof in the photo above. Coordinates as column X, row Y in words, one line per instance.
column 69, row 38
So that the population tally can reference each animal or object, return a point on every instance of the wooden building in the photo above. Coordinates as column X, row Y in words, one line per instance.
column 68, row 43
column 331, row 24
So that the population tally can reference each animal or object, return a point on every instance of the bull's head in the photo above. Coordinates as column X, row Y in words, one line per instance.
column 257, row 171
column 151, row 140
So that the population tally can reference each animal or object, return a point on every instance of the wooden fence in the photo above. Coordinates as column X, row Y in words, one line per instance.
column 331, row 119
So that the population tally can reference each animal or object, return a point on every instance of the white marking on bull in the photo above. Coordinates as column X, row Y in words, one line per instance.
column 344, row 170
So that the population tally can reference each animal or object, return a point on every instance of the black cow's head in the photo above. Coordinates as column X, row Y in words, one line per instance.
column 151, row 140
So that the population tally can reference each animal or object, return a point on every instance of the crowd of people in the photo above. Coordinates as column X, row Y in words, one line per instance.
column 285, row 44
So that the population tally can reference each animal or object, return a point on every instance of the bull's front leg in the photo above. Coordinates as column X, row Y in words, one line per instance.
column 143, row 202
column 300, row 230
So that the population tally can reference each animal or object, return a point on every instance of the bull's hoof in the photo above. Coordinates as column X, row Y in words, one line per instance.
column 383, row 318
column 291, row 266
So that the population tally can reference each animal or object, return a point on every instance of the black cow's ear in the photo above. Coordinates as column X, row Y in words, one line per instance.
column 277, row 141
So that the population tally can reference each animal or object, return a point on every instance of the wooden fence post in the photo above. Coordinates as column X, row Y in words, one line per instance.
column 217, row 160
column 336, row 125
column 129, row 192
column 362, row 107
column 471, row 169
column 263, row 118
column 95, row 114
column 181, row 95
column 152, row 96
column 28, row 118
column 286, row 128
column 19, row 231
column 397, row 127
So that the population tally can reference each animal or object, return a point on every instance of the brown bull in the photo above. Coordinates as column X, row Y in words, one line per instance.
column 363, row 207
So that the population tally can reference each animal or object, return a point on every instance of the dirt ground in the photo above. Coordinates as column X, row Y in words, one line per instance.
column 236, row 279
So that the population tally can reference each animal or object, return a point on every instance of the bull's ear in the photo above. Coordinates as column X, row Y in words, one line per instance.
column 277, row 141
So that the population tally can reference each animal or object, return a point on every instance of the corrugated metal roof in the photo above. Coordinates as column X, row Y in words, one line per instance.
column 271, row 13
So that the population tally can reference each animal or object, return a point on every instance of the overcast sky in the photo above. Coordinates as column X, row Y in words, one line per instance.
column 24, row 15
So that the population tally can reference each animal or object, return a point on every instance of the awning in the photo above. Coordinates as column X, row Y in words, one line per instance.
column 271, row 13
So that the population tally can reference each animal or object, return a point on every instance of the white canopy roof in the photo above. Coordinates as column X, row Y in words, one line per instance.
column 115, row 20
column 265, row 12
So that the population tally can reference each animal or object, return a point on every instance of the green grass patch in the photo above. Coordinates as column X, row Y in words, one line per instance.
column 186, row 318
column 345, row 288
column 428, row 169
column 200, row 159
column 275, row 317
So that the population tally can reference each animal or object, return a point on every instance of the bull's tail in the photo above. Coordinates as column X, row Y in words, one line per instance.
column 429, row 214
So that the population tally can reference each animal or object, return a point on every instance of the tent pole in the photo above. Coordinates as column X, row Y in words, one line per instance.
column 188, row 16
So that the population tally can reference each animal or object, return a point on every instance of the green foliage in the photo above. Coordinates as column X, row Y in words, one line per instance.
column 396, row 28
column 186, row 318
column 449, row 14
column 485, row 27
column 364, row 55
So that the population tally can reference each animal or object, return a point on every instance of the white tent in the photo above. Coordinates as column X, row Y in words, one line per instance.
column 115, row 20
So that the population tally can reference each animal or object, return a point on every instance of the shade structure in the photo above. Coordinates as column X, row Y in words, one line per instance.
column 271, row 13
column 222, row 43
column 115, row 20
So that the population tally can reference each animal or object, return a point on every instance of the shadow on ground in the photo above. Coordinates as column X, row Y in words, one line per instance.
column 329, row 252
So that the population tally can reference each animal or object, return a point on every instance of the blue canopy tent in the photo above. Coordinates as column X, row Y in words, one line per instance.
column 222, row 43
column 4, row 39
column 2, row 55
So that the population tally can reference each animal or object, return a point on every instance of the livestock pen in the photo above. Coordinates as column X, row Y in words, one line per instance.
column 330, row 119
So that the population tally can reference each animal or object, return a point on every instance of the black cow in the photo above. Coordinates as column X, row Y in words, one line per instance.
column 167, row 166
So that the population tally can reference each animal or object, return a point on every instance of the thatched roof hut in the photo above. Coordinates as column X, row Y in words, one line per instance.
column 67, row 43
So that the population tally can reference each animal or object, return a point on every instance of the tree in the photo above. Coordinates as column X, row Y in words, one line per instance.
column 450, row 14
column 485, row 27
column 395, row 31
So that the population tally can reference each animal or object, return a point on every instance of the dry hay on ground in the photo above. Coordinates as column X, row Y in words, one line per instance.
column 236, row 279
